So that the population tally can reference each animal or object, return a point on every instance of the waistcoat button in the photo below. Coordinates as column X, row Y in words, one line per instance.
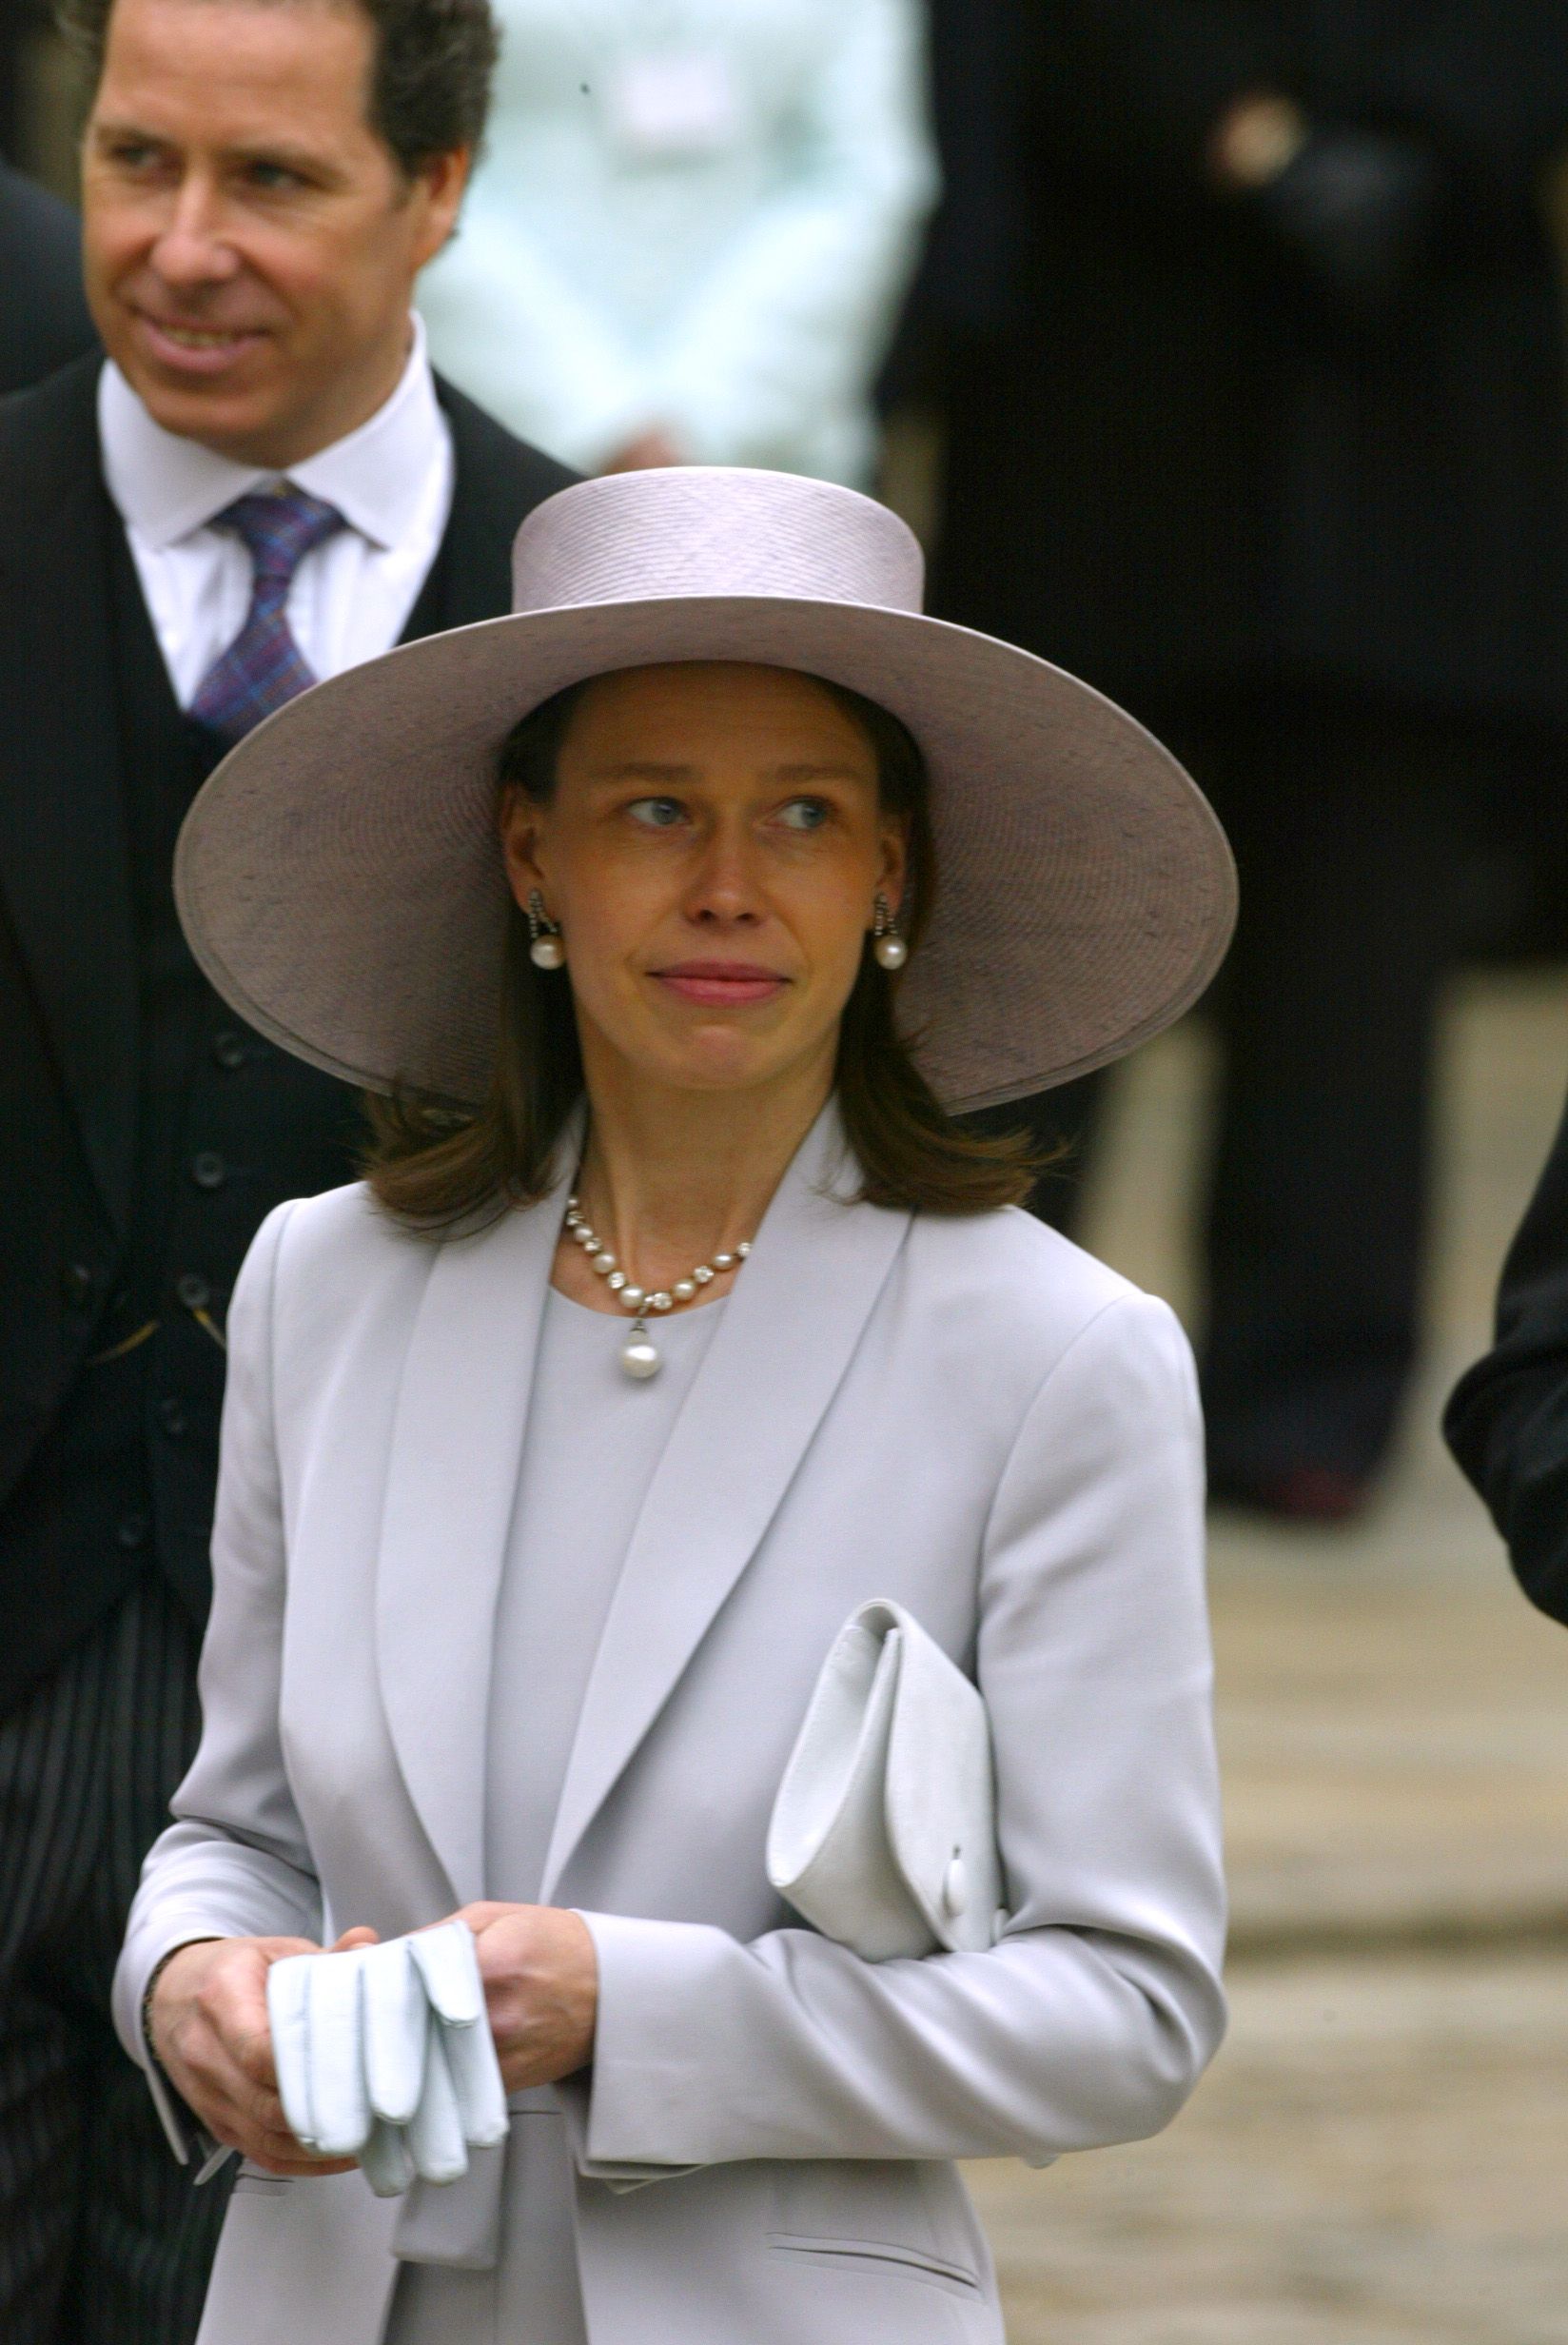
column 76, row 1282
column 171, row 1416
column 228, row 1048
column 208, row 1170
column 193, row 1292
column 132, row 1531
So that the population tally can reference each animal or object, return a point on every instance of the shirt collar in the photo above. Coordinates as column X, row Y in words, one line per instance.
column 166, row 488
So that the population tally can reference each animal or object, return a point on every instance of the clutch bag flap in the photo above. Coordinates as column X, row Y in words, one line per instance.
column 883, row 1832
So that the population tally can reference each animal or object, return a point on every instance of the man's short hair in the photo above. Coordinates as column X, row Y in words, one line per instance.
column 430, row 90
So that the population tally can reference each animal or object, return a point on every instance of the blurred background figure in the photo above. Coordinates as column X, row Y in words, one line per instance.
column 1507, row 1419
column 19, row 24
column 692, row 229
column 1248, row 352
column 42, row 316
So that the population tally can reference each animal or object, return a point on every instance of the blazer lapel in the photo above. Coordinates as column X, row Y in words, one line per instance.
column 456, row 1444
column 789, row 1332
column 63, row 850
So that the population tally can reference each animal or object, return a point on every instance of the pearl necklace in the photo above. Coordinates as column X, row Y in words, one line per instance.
column 639, row 1356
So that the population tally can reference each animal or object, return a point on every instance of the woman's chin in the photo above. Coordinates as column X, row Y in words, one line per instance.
column 715, row 1062
column 677, row 1047
column 716, row 1076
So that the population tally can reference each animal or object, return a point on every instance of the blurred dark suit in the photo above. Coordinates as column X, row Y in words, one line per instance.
column 1507, row 1420
column 1289, row 481
column 44, row 319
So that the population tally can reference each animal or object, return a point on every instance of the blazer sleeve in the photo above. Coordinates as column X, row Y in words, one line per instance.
column 792, row 318
column 234, row 1863
column 1092, row 2019
column 1507, row 1420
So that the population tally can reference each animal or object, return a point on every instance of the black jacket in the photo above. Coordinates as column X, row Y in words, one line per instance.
column 1507, row 1420
column 1182, row 457
column 44, row 320
column 89, row 710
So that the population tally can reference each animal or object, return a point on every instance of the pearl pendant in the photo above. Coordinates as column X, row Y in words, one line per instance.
column 639, row 1356
column 547, row 952
column 892, row 952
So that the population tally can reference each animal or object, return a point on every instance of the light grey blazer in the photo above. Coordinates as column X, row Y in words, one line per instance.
column 968, row 1415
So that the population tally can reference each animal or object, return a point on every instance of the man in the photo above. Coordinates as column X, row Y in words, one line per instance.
column 262, row 486
column 44, row 320
column 1265, row 435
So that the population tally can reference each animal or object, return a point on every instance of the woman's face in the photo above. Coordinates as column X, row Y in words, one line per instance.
column 712, row 853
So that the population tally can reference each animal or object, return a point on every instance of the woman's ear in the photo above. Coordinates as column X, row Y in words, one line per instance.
column 895, row 861
column 519, row 824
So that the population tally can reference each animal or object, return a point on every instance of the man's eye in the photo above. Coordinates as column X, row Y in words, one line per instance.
column 273, row 176
column 658, row 814
column 804, row 813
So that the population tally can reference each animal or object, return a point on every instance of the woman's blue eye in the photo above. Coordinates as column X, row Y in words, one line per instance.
column 804, row 813
column 659, row 814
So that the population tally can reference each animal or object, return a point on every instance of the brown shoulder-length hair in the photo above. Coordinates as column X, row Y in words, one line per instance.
column 437, row 1169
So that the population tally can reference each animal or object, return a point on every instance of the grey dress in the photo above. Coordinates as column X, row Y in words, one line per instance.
column 593, row 1441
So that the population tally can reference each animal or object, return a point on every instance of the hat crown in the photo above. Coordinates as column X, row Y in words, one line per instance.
column 711, row 530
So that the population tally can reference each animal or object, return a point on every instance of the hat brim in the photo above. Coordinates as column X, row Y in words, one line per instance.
column 340, row 885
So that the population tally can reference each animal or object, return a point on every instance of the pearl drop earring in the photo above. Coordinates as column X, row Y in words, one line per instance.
column 889, row 947
column 546, row 949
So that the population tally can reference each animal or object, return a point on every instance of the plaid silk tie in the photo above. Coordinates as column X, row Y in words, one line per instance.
column 263, row 666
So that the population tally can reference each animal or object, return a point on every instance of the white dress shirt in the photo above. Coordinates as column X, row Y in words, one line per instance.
column 391, row 479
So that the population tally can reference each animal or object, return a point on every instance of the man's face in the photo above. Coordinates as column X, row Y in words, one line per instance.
column 250, row 242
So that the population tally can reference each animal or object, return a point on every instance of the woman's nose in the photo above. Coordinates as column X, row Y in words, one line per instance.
column 725, row 888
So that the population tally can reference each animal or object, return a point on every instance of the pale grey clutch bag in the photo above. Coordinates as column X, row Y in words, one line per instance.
column 883, row 1834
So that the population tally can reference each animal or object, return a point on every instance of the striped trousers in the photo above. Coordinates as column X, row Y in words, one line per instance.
column 102, row 2241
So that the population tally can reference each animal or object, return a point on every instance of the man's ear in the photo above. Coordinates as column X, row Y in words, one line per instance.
column 440, row 185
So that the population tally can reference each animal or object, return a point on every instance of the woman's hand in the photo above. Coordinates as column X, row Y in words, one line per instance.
column 541, row 1978
column 208, row 2024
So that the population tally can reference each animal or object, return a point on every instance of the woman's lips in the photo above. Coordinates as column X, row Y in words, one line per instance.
column 721, row 983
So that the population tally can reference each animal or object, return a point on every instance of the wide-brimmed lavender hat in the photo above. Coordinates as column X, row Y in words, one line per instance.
column 340, row 878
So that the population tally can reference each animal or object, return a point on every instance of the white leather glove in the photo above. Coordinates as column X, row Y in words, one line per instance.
column 384, row 2053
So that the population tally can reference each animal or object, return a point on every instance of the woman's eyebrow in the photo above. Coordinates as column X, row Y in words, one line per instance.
column 826, row 772
column 643, row 769
column 650, row 769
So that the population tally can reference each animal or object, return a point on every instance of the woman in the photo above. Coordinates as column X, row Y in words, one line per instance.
column 506, row 1624
column 691, row 230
